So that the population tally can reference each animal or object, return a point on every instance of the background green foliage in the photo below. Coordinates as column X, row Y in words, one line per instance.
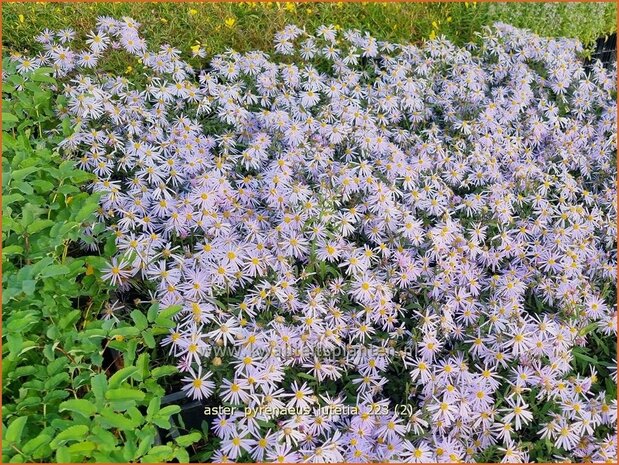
column 251, row 25
column 75, row 387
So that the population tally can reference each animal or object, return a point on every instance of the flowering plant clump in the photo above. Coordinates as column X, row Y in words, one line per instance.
column 382, row 252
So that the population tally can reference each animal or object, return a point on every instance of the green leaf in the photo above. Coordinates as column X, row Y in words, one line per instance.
column 149, row 340
column 54, row 270
column 19, row 175
column 89, row 207
column 159, row 454
column 142, row 365
column 153, row 311
column 166, row 370
column 9, row 199
column 98, row 384
column 188, row 439
column 139, row 319
column 182, row 456
column 39, row 225
column 586, row 358
column 145, row 444
column 81, row 406
column 63, row 455
column 9, row 118
column 169, row 312
column 15, row 430
column 153, row 406
column 120, row 376
column 35, row 443
column 169, row 410
column 116, row 420
column 124, row 394
column 125, row 332
column 12, row 250
column 84, row 447
column 72, row 433
column 39, row 76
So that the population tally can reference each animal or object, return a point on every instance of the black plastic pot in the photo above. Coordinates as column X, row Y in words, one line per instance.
column 605, row 51
column 190, row 417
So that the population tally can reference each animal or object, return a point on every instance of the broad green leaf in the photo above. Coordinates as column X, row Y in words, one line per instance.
column 63, row 455
column 82, row 406
column 159, row 454
column 116, row 420
column 188, row 439
column 89, row 207
column 98, row 384
column 153, row 311
column 72, row 433
column 18, row 175
column 169, row 312
column 153, row 406
column 83, row 447
column 166, row 370
column 139, row 319
column 12, row 250
column 169, row 410
column 39, row 225
column 15, row 430
column 35, row 443
column 142, row 365
column 124, row 394
column 120, row 376
column 54, row 270
column 9, row 118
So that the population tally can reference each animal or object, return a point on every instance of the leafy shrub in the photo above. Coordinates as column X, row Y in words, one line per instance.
column 62, row 398
column 419, row 240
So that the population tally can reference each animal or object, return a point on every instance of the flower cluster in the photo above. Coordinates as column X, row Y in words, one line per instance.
column 364, row 224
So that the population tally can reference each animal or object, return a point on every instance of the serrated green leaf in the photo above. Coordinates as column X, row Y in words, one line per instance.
column 116, row 420
column 98, row 384
column 188, row 439
column 83, row 447
column 169, row 312
column 82, row 406
column 72, row 433
column 33, row 444
column 124, row 394
column 120, row 376
column 15, row 430
column 153, row 311
column 160, row 372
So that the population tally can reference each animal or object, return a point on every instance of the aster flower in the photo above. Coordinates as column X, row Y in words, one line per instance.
column 198, row 387
column 117, row 271
column 452, row 208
